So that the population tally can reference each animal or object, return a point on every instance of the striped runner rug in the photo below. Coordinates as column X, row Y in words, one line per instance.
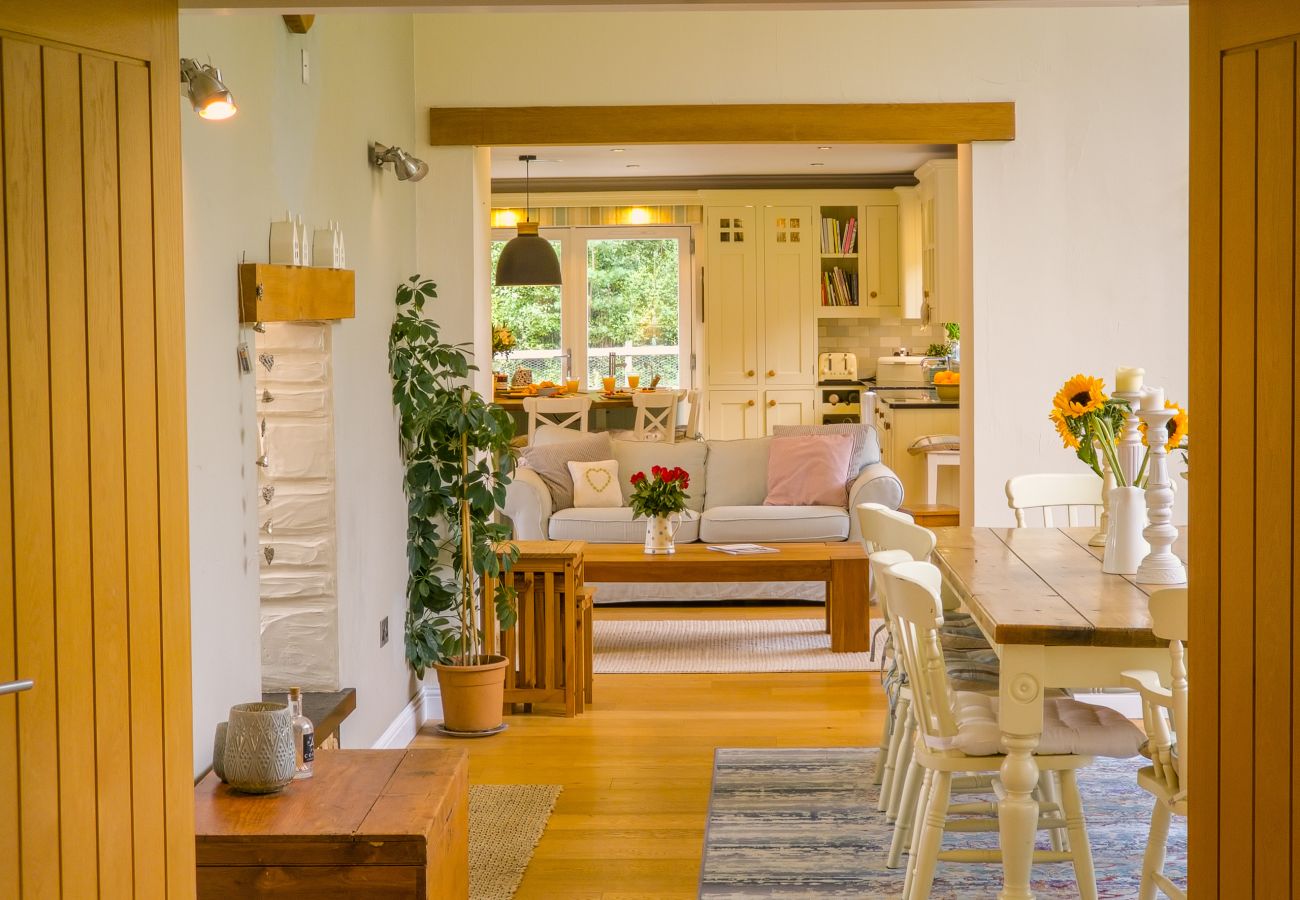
column 802, row 823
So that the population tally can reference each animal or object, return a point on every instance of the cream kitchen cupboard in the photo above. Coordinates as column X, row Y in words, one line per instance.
column 898, row 427
column 735, row 414
column 937, row 194
column 788, row 408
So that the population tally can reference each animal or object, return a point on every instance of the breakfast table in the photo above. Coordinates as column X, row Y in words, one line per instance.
column 1055, row 620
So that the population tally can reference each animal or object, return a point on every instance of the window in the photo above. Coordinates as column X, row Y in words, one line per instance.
column 626, row 292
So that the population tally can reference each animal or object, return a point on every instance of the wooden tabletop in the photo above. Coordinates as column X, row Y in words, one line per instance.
column 356, row 796
column 696, row 562
column 1045, row 586
column 622, row 401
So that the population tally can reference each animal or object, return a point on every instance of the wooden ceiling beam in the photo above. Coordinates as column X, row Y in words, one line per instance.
column 756, row 123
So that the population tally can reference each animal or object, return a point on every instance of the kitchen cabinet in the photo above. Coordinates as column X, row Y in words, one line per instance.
column 898, row 427
column 789, row 346
column 859, row 274
column 731, row 296
column 936, row 191
column 734, row 415
column 788, row 408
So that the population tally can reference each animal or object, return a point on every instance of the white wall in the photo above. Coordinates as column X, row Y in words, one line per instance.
column 1080, row 257
column 301, row 147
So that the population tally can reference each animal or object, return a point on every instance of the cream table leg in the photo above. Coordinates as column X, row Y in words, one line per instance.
column 1020, row 717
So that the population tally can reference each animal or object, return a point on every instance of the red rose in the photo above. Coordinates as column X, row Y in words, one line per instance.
column 656, row 470
column 638, row 478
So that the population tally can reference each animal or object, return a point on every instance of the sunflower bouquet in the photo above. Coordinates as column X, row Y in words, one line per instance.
column 1089, row 423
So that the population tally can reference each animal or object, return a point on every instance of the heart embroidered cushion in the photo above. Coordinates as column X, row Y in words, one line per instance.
column 808, row 470
column 595, row 484
column 550, row 461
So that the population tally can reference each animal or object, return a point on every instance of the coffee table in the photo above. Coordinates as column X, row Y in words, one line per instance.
column 841, row 566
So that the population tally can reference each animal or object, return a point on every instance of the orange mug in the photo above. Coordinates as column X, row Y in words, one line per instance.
column 633, row 381
column 609, row 385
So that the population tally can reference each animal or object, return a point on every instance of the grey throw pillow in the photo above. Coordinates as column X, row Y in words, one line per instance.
column 551, row 463
column 866, row 445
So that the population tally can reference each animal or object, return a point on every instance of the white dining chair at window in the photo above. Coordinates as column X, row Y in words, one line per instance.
column 689, row 401
column 1164, row 714
column 1074, row 492
column 566, row 412
column 656, row 416
column 957, row 732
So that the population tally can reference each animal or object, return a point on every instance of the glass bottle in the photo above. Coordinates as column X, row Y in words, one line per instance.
column 304, row 736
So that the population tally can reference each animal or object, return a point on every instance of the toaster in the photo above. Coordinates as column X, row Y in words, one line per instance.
column 836, row 368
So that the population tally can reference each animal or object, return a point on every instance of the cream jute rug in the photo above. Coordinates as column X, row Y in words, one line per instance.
column 678, row 646
column 505, row 823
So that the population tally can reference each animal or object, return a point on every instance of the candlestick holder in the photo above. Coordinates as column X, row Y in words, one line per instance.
column 1130, row 447
column 1103, row 521
column 1160, row 566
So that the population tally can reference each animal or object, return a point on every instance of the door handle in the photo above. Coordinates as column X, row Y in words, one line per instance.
column 749, row 403
column 771, row 403
column 749, row 373
column 771, row 373
column 17, row 687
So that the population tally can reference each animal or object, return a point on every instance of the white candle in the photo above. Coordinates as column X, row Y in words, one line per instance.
column 1153, row 398
column 1128, row 379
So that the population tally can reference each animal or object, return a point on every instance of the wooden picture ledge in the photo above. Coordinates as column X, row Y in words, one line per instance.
column 757, row 123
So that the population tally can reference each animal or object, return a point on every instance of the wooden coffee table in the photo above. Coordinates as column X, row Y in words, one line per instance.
column 841, row 566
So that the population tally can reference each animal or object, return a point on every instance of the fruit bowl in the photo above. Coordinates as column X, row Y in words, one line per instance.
column 948, row 391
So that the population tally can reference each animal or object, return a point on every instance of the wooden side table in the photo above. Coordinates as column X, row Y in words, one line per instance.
column 548, row 646
column 370, row 823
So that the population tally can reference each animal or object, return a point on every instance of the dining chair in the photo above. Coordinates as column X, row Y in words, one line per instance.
column 957, row 732
column 690, row 400
column 656, row 416
column 1075, row 491
column 566, row 412
column 1164, row 715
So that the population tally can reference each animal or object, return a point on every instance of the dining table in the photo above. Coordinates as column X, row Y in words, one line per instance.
column 1055, row 620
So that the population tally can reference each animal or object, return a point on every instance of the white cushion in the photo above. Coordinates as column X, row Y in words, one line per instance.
column 737, row 472
column 773, row 524
column 1069, row 728
column 642, row 456
column 595, row 484
column 613, row 526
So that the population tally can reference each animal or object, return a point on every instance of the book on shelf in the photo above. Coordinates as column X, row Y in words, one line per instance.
column 839, row 288
column 839, row 237
column 743, row 549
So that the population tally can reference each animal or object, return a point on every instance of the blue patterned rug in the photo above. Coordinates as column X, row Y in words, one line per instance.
column 802, row 823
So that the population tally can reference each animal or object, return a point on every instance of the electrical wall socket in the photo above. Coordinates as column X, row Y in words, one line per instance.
column 383, row 631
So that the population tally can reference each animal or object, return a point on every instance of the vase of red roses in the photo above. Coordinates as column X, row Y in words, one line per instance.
column 661, row 498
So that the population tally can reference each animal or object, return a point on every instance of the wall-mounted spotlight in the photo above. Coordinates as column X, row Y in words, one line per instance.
column 208, row 94
column 405, row 166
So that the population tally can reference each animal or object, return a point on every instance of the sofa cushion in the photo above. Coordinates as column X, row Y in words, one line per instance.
column 866, row 443
column 737, row 472
column 808, row 470
column 551, row 463
column 773, row 524
column 595, row 484
column 641, row 456
column 613, row 526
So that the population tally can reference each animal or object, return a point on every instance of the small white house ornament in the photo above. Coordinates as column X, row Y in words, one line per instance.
column 284, row 247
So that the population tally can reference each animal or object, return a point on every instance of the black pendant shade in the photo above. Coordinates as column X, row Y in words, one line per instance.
column 528, row 258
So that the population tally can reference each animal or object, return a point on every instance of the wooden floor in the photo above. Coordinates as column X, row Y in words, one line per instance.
column 636, row 769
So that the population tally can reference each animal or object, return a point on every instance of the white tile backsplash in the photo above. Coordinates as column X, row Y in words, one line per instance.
column 870, row 339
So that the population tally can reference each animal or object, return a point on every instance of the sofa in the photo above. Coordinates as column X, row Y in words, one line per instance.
column 728, row 483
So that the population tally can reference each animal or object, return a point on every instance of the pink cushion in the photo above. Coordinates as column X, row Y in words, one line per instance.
column 808, row 470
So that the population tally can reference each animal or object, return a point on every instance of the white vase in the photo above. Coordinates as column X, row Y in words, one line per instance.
column 659, row 533
column 1125, row 546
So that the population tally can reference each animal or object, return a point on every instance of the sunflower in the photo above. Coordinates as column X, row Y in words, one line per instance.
column 1062, row 424
column 1079, row 396
column 1177, row 427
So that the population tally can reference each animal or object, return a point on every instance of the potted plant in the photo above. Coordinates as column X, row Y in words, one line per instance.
column 659, row 498
column 456, row 448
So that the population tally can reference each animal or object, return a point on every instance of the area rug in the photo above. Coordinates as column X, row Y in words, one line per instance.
column 803, row 823
column 676, row 646
column 505, row 823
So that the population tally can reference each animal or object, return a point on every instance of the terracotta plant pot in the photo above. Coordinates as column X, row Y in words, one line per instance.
column 473, row 696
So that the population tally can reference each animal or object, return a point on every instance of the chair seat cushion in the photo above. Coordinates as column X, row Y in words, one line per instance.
column 614, row 525
column 773, row 524
column 1069, row 728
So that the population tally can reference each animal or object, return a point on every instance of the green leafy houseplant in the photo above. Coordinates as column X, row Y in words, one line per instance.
column 456, row 448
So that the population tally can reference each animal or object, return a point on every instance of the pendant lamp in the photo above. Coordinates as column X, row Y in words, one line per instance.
column 528, row 258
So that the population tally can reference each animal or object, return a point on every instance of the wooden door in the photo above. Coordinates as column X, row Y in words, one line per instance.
column 96, row 788
column 881, row 259
column 731, row 295
column 733, row 415
column 789, row 408
column 1245, row 666
column 789, row 323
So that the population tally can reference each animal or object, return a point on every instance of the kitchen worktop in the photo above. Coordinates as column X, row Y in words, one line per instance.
column 913, row 398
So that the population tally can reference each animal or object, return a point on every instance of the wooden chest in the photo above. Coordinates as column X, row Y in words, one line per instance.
column 371, row 823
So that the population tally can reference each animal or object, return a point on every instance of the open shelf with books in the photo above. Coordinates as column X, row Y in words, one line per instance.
column 840, row 266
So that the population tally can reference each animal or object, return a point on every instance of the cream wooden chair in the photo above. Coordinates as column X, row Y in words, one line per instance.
column 1074, row 491
column 566, row 412
column 691, row 401
column 957, row 732
column 1164, row 713
column 656, row 417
